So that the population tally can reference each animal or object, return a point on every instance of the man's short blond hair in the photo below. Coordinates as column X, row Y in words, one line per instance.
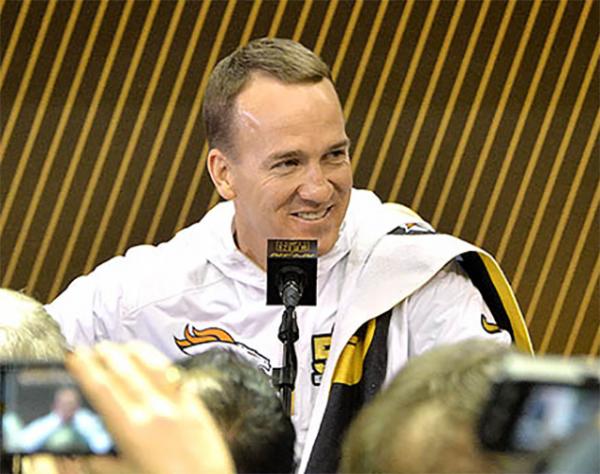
column 284, row 59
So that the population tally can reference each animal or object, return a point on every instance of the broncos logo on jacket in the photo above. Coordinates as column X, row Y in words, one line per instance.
column 195, row 341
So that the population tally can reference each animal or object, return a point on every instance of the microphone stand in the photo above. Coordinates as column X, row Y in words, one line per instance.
column 284, row 378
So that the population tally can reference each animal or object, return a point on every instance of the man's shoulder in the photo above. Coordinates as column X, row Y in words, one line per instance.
column 370, row 219
column 418, row 245
column 184, row 249
column 149, row 273
column 145, row 273
column 408, row 221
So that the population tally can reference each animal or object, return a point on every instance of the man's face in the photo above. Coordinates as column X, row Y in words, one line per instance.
column 290, row 170
column 66, row 403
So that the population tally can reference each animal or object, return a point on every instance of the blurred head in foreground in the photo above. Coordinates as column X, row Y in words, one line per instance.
column 425, row 421
column 246, row 407
column 27, row 332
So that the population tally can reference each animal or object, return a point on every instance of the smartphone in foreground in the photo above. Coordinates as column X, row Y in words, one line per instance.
column 537, row 403
column 43, row 411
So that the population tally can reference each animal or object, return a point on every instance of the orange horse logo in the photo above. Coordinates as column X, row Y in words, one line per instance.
column 195, row 336
column 195, row 340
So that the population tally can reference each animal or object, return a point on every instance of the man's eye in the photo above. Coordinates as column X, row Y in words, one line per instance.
column 286, row 163
column 337, row 154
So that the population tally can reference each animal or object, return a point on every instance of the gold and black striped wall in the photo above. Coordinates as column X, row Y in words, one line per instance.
column 481, row 115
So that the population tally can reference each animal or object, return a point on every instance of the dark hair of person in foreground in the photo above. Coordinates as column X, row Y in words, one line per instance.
column 247, row 409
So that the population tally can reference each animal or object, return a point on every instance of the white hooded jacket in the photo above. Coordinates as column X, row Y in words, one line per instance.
column 198, row 291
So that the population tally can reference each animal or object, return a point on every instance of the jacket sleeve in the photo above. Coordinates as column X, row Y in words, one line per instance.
column 102, row 304
column 89, row 310
column 447, row 309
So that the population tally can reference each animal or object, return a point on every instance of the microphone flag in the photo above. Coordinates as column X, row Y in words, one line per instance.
column 287, row 260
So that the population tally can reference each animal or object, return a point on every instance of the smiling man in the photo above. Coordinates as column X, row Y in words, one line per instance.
column 389, row 288
column 288, row 168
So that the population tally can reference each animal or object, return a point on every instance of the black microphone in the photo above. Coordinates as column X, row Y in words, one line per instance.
column 290, row 285
column 291, row 272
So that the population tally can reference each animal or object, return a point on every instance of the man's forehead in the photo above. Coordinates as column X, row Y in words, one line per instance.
column 247, row 118
column 264, row 88
column 279, row 117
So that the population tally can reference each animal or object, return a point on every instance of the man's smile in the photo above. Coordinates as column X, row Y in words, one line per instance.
column 312, row 215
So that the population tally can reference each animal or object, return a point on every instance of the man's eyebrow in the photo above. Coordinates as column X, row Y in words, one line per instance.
column 282, row 154
column 295, row 153
column 345, row 143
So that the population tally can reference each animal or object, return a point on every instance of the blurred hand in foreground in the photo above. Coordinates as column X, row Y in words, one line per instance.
column 155, row 424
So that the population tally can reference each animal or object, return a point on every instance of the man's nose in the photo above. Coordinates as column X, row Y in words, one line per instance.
column 315, row 186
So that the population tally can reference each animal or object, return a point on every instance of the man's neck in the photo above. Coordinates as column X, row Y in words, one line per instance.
column 248, row 254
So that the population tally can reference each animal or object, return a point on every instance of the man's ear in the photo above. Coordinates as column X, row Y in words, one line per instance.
column 219, row 167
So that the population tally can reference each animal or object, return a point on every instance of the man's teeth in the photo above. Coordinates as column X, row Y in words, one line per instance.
column 311, row 216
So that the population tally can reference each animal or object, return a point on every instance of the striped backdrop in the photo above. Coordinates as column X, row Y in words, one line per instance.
column 481, row 115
